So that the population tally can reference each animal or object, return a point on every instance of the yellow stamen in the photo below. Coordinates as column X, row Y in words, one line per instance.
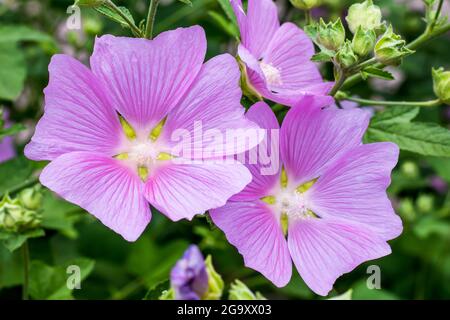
column 284, row 223
column 283, row 178
column 143, row 173
column 127, row 128
column 156, row 132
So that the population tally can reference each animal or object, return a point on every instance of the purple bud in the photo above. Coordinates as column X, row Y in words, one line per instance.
column 438, row 184
column 188, row 277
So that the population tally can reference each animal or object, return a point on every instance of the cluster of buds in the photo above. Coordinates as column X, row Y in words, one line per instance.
column 441, row 80
column 22, row 213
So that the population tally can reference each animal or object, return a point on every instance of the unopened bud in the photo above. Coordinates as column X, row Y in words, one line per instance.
column 239, row 291
column 331, row 35
column 441, row 80
column 364, row 42
column 346, row 57
column 365, row 15
column 391, row 48
column 31, row 198
column 306, row 4
column 215, row 282
column 14, row 217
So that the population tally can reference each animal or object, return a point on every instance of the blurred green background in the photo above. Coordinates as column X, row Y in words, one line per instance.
column 32, row 31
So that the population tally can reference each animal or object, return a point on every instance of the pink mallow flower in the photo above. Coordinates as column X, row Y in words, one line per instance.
column 7, row 150
column 329, row 199
column 277, row 57
column 113, row 166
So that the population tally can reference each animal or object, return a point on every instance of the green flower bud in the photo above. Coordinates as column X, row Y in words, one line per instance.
column 346, row 57
column 441, row 80
column 331, row 35
column 391, row 48
column 425, row 203
column 89, row 3
column 14, row 217
column 31, row 198
column 407, row 209
column 215, row 282
column 365, row 15
column 239, row 291
column 363, row 41
column 306, row 4
column 410, row 169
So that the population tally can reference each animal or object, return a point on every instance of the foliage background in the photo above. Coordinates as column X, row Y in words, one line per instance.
column 31, row 31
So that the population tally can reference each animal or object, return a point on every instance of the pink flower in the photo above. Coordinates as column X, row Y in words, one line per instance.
column 278, row 58
column 330, row 198
column 114, row 173
column 7, row 150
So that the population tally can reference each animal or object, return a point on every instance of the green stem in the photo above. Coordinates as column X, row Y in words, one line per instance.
column 437, row 15
column 428, row 35
column 308, row 17
column 367, row 102
column 117, row 10
column 151, row 18
column 26, row 270
column 27, row 183
column 338, row 84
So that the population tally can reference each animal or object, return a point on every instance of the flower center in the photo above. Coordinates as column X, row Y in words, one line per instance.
column 272, row 74
column 293, row 204
column 143, row 154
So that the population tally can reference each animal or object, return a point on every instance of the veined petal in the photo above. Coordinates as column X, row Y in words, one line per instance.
column 212, row 115
column 102, row 186
column 258, row 26
column 354, row 189
column 312, row 138
column 325, row 249
column 266, row 170
column 147, row 78
column 78, row 114
column 256, row 232
column 181, row 191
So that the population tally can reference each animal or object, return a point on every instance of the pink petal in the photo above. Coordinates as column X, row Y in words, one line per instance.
column 213, row 105
column 312, row 138
column 181, row 191
column 7, row 150
column 325, row 249
column 78, row 114
column 258, row 26
column 354, row 188
column 256, row 232
column 102, row 186
column 267, row 169
column 148, row 78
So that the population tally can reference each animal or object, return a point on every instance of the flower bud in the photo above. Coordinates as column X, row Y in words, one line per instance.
column 16, row 218
column 31, row 198
column 89, row 3
column 346, row 57
column 365, row 15
column 215, row 282
column 425, row 203
column 239, row 291
column 363, row 42
column 441, row 80
column 331, row 35
column 391, row 48
column 306, row 4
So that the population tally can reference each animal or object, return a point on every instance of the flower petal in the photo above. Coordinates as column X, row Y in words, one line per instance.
column 148, row 78
column 212, row 107
column 266, row 170
column 181, row 191
column 103, row 187
column 255, row 231
column 325, row 249
column 354, row 188
column 311, row 138
column 78, row 114
column 258, row 26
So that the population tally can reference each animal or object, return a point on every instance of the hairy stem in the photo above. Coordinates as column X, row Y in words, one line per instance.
column 131, row 24
column 151, row 19
column 367, row 102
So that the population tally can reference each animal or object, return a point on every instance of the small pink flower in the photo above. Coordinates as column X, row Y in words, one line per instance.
column 114, row 175
column 277, row 57
column 330, row 197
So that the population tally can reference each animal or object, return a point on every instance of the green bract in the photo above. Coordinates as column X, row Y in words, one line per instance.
column 346, row 57
column 331, row 35
column 441, row 80
column 239, row 291
column 15, row 218
column 363, row 41
column 391, row 48
column 365, row 15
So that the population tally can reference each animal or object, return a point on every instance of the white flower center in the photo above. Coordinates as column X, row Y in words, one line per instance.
column 143, row 154
column 272, row 74
column 293, row 204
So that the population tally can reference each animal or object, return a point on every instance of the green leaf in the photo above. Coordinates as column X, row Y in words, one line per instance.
column 16, row 33
column 430, row 225
column 376, row 73
column 12, row 130
column 13, row 241
column 11, row 268
column 441, row 166
column 12, row 71
column 107, row 11
column 18, row 171
column 224, row 23
column 427, row 139
column 395, row 115
column 188, row 2
column 155, row 292
column 362, row 292
column 226, row 7
column 50, row 282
